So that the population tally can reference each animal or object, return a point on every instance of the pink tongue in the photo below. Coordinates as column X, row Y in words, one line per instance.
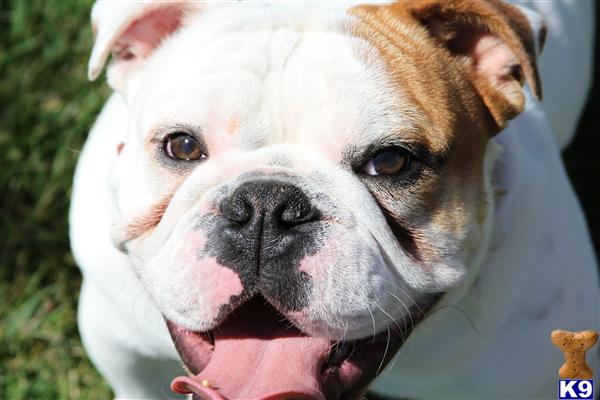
column 257, row 355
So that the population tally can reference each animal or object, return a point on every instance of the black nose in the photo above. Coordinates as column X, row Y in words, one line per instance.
column 265, row 229
column 267, row 208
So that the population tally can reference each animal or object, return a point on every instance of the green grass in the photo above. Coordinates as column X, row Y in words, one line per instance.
column 46, row 108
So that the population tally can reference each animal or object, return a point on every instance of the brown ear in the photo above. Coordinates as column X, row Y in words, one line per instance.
column 495, row 38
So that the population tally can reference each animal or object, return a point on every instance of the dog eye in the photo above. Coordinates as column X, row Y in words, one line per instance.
column 387, row 162
column 182, row 146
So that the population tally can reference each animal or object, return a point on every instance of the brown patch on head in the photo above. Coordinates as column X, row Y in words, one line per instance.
column 490, row 44
column 145, row 222
column 402, row 233
column 453, row 122
column 120, row 147
column 459, row 63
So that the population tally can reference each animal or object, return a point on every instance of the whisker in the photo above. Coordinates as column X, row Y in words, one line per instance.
column 387, row 344
column 412, row 322
column 388, row 331
column 404, row 339
column 120, row 290
column 374, row 328
column 389, row 316
column 74, row 150
column 133, row 307
column 394, row 360
column 462, row 312
column 337, row 342
column 405, row 293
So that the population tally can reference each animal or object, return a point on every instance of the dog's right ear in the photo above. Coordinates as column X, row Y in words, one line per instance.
column 131, row 31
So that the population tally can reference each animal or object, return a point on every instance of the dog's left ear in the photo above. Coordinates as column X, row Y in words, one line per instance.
column 497, row 39
column 132, row 31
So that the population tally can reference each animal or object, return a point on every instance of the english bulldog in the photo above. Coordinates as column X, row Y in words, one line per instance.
column 308, row 201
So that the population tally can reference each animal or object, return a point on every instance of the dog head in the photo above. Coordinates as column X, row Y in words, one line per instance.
column 296, row 176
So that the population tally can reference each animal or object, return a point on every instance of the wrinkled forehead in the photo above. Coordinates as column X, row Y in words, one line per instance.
column 262, row 75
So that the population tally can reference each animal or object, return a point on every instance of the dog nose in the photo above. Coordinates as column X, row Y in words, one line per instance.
column 266, row 228
column 267, row 208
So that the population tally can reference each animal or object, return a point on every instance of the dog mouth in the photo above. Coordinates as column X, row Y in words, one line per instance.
column 257, row 354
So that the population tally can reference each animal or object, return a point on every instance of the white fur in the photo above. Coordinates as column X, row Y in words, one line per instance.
column 566, row 62
column 253, row 76
column 539, row 274
column 535, row 248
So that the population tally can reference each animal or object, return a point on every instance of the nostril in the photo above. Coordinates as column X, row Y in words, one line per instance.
column 276, row 206
column 236, row 210
column 298, row 213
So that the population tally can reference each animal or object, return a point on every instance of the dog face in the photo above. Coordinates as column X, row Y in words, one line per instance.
column 327, row 162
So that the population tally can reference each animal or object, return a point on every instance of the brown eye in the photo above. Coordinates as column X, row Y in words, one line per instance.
column 387, row 162
column 182, row 146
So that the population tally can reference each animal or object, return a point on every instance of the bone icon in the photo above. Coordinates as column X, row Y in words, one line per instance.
column 574, row 345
